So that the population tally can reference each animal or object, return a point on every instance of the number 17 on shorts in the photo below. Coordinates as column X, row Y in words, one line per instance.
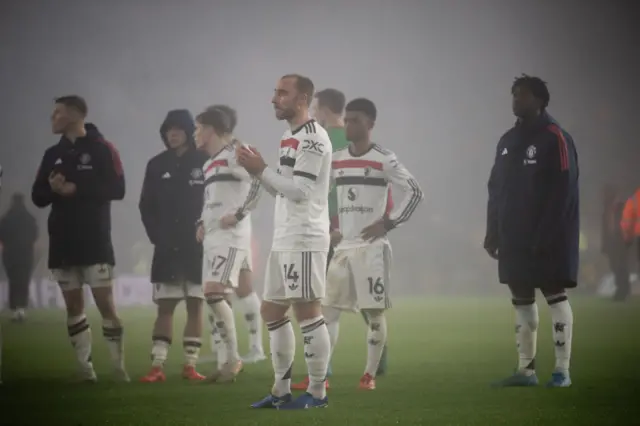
column 297, row 275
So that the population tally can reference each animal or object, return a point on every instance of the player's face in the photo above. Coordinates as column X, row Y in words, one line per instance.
column 286, row 99
column 203, row 135
column 524, row 104
column 357, row 126
column 176, row 138
column 318, row 112
column 61, row 119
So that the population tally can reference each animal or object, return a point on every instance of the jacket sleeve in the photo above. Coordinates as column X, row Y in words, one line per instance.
column 629, row 217
column 110, row 184
column 562, row 172
column 148, row 206
column 491, row 238
column 41, row 193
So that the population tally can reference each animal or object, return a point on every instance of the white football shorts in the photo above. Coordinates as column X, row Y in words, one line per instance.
column 177, row 290
column 75, row 277
column 223, row 265
column 359, row 278
column 295, row 275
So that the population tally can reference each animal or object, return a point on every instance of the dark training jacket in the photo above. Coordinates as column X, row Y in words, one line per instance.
column 533, row 210
column 170, row 205
column 80, row 225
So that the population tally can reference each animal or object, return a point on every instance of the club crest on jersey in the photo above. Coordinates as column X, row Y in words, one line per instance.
column 367, row 171
column 531, row 155
column 84, row 159
column 196, row 173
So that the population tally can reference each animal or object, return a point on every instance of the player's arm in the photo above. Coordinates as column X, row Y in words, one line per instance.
column 491, row 236
column 399, row 176
column 561, row 172
column 305, row 173
column 41, row 193
column 148, row 206
column 110, row 184
column 255, row 190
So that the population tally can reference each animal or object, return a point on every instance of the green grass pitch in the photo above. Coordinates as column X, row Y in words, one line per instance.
column 443, row 354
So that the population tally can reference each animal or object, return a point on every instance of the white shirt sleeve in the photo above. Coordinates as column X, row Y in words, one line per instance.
column 398, row 175
column 309, row 159
column 251, row 201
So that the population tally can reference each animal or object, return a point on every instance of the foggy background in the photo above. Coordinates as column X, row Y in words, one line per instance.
column 439, row 71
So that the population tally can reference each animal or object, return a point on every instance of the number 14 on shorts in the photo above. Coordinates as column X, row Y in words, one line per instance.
column 291, row 276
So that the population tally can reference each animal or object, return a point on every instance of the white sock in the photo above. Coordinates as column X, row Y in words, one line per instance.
column 527, row 336
column 80, row 336
column 113, row 332
column 226, row 325
column 376, row 339
column 317, row 347
column 282, row 341
column 159, row 350
column 250, row 307
column 562, row 318
column 191, row 347
column 332, row 318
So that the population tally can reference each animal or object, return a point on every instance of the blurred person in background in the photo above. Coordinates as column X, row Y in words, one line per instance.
column 170, row 205
column 613, row 243
column 630, row 222
column 533, row 226
column 18, row 235
column 79, row 177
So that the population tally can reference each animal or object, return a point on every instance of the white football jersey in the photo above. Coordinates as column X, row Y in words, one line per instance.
column 229, row 189
column 305, row 153
column 363, row 186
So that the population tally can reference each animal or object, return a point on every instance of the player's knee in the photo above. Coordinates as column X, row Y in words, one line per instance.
column 244, row 284
column 374, row 315
column 74, row 302
column 271, row 312
column 166, row 307
column 306, row 310
column 213, row 288
column 194, row 307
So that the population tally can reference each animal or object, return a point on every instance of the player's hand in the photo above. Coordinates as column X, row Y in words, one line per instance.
column 251, row 160
column 56, row 180
column 374, row 231
column 228, row 221
column 336, row 237
column 68, row 189
column 200, row 233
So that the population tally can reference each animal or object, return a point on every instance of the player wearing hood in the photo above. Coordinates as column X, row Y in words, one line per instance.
column 170, row 204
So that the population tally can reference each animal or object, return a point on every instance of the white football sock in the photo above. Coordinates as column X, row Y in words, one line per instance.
column 80, row 337
column 113, row 332
column 159, row 350
column 250, row 308
column 332, row 318
column 226, row 325
column 376, row 339
column 282, row 341
column 191, row 347
column 317, row 347
column 527, row 321
column 562, row 318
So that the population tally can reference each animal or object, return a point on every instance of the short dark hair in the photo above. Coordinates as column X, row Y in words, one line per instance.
column 304, row 85
column 332, row 99
column 73, row 101
column 215, row 118
column 364, row 106
column 231, row 113
column 536, row 86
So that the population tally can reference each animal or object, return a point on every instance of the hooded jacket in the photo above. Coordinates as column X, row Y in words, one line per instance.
column 533, row 215
column 171, row 203
column 80, row 225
